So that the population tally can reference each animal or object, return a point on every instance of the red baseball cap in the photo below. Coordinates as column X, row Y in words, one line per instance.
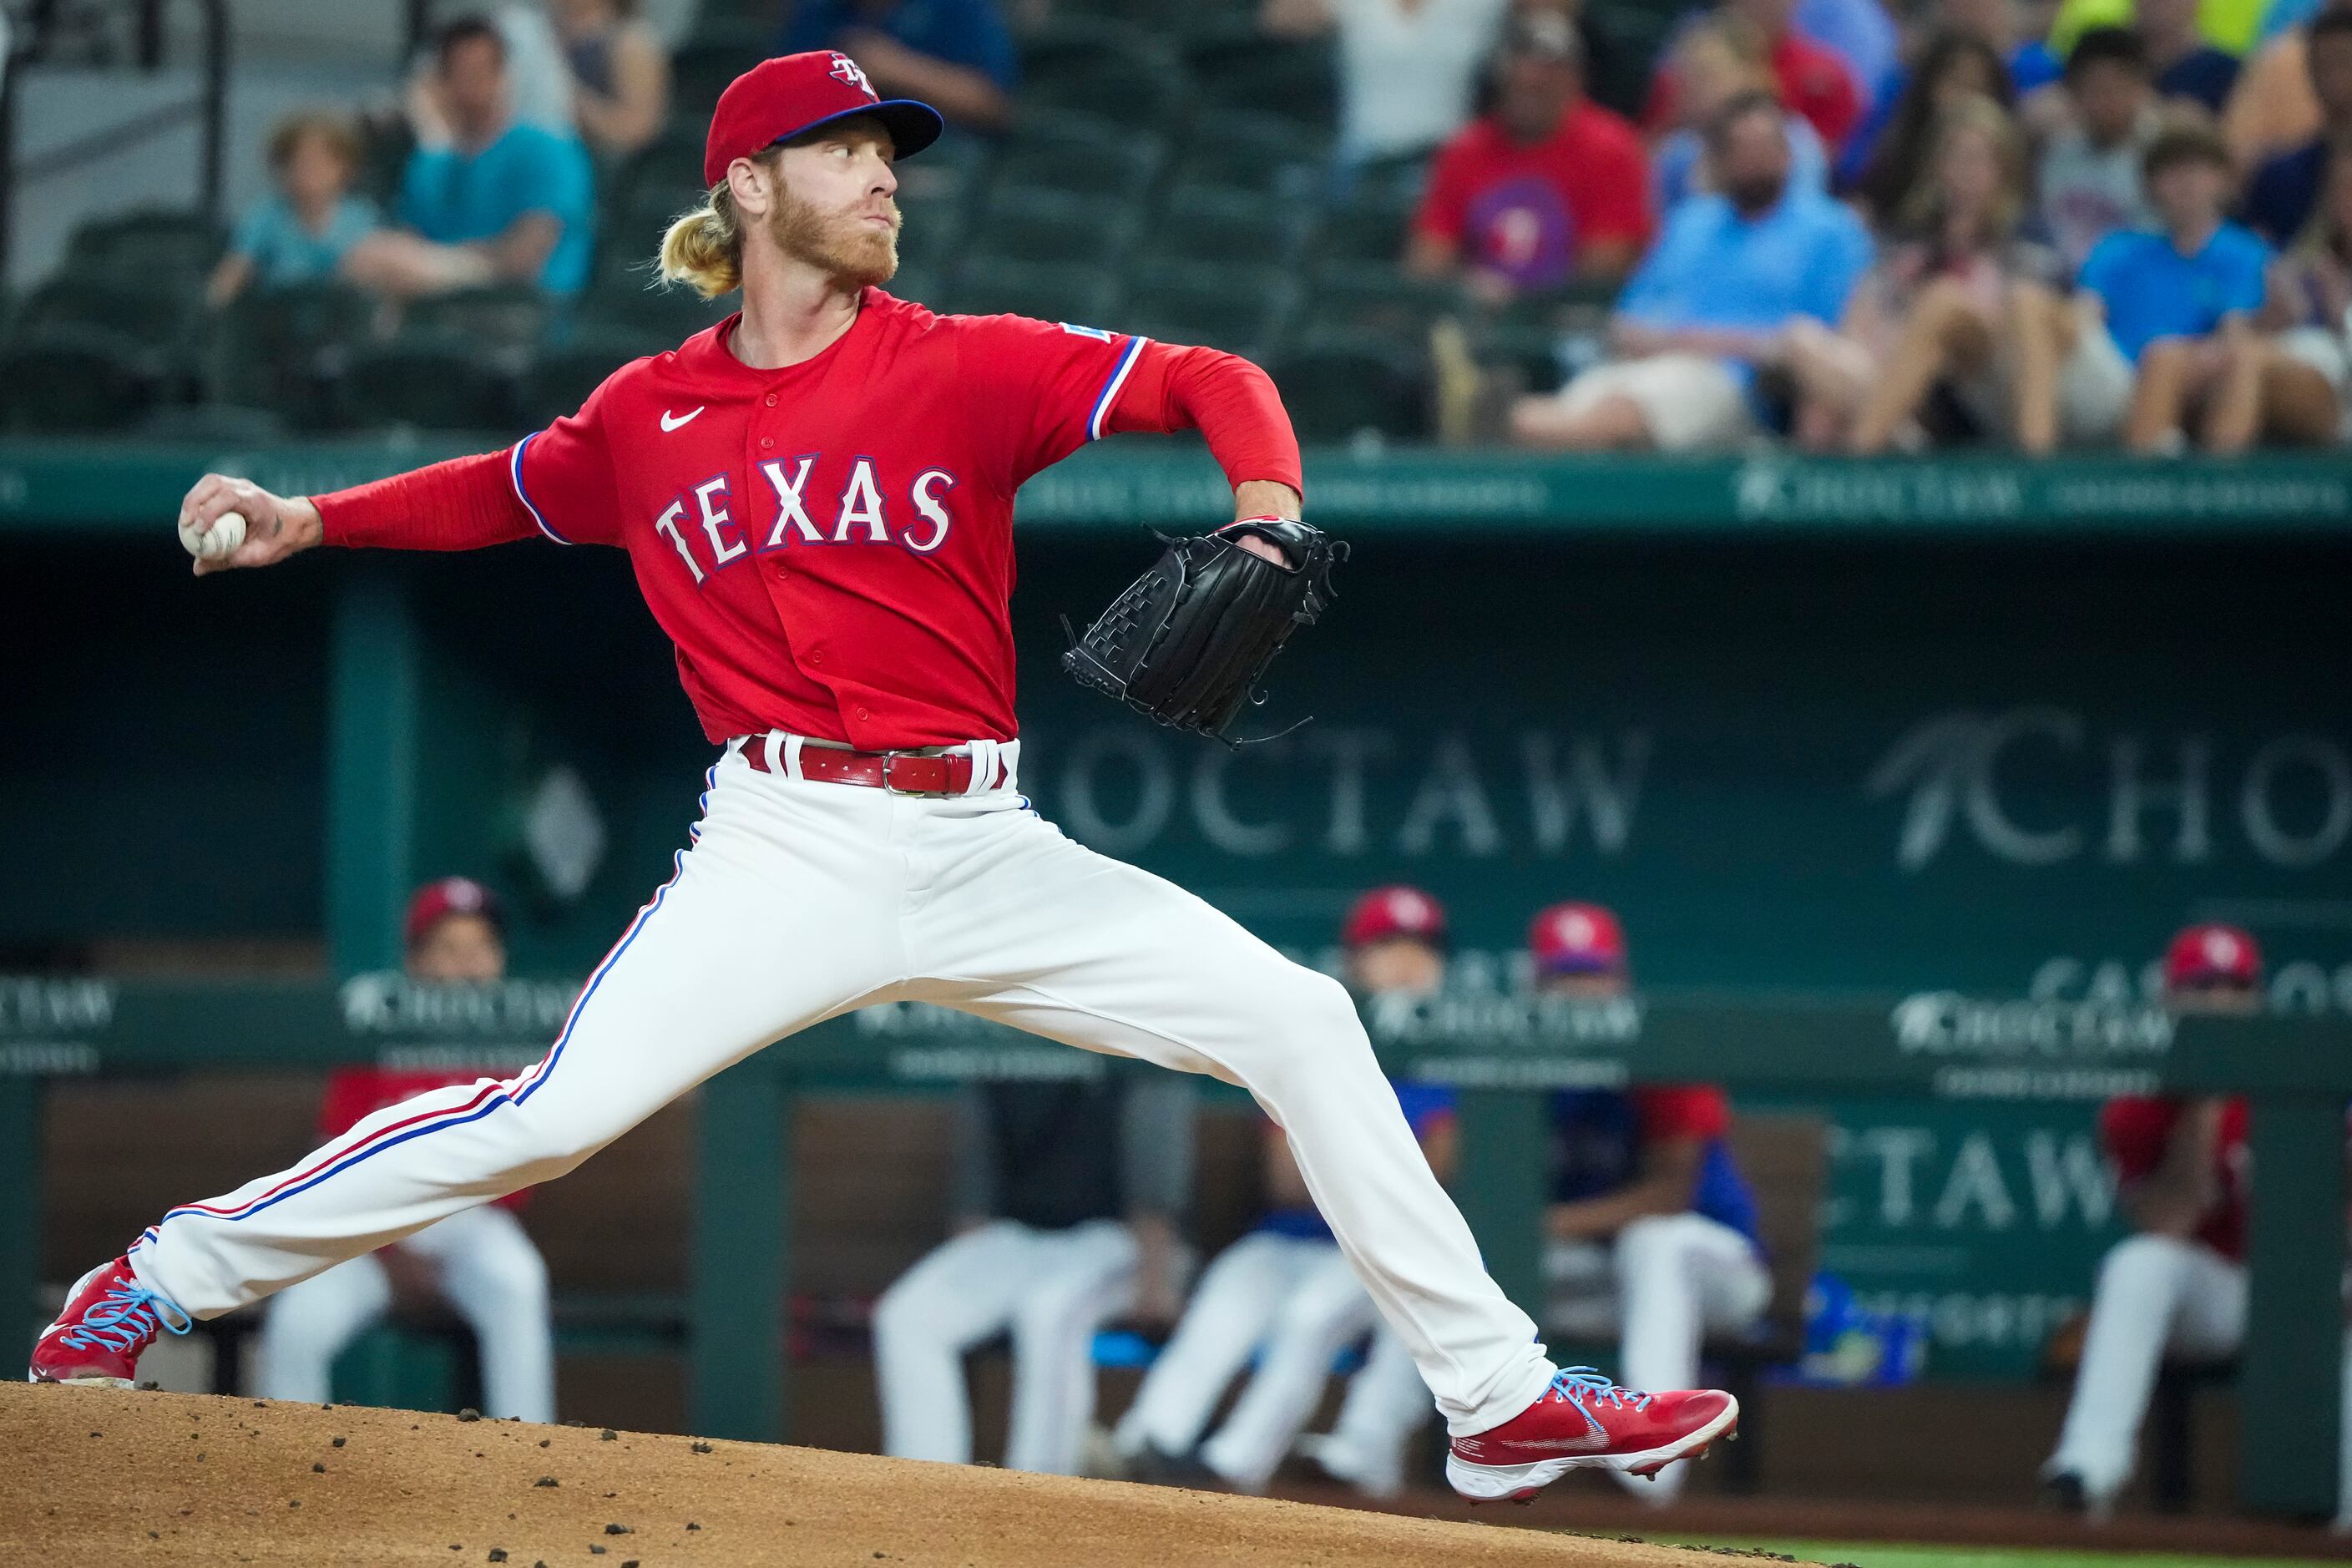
column 1386, row 913
column 1576, row 939
column 2212, row 954
column 436, row 902
column 783, row 98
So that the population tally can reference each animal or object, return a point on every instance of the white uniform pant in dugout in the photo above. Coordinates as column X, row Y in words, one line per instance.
column 798, row 901
column 483, row 1262
column 2158, row 1295
column 1048, row 1290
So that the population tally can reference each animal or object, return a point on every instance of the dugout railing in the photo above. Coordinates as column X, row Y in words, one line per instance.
column 1501, row 1053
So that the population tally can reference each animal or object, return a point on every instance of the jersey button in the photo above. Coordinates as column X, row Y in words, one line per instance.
column 863, row 715
column 771, row 400
column 816, row 659
column 767, row 441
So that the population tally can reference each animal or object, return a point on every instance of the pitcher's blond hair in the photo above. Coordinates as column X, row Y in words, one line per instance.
column 704, row 249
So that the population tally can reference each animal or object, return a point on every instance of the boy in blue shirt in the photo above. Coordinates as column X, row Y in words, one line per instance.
column 301, row 232
column 484, row 199
column 2180, row 304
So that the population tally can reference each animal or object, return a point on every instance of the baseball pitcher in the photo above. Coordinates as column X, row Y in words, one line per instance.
column 816, row 499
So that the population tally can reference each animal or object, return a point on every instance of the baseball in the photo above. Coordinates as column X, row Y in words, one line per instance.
column 221, row 540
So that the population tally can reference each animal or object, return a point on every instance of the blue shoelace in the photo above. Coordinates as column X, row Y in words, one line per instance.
column 123, row 1319
column 1578, row 1384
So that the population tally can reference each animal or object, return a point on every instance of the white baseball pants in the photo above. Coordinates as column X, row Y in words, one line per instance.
column 489, row 1271
column 2156, row 1295
column 798, row 901
column 1050, row 1289
column 1295, row 1303
column 1663, row 1284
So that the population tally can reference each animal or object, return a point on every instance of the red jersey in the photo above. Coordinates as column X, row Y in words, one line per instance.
column 830, row 546
column 1814, row 80
column 1527, row 210
column 2136, row 1130
column 354, row 1093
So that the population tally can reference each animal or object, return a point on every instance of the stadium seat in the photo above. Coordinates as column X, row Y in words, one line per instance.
column 1369, row 226
column 1254, row 151
column 983, row 285
column 157, row 317
column 1627, row 40
column 670, row 163
column 932, row 229
column 500, row 316
column 1105, row 69
column 151, row 245
column 1239, row 67
column 1239, row 308
column 71, row 375
column 277, row 348
column 643, row 304
column 560, row 378
column 923, row 284
column 1037, row 224
column 1338, row 387
column 423, row 382
column 1375, row 298
column 701, row 68
column 213, row 424
column 1216, row 223
column 1079, row 152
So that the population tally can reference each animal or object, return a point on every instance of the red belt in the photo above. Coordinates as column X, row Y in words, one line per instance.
column 901, row 773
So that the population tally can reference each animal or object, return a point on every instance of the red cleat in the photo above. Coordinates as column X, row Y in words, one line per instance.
column 1584, row 1422
column 110, row 1317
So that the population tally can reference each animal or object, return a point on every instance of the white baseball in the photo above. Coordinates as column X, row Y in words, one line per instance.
column 217, row 542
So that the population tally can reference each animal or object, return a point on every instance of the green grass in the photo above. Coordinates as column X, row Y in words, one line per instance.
column 1869, row 1554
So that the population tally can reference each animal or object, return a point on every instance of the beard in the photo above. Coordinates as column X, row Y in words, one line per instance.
column 1752, row 194
column 845, row 247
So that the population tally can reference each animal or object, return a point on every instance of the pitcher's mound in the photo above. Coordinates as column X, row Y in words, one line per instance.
column 93, row 1476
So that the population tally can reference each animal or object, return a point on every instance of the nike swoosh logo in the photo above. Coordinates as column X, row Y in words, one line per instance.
column 671, row 422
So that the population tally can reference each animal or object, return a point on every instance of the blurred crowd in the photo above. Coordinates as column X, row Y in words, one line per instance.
column 1578, row 225
column 1069, row 1212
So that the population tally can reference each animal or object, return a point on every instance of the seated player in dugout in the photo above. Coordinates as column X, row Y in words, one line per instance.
column 1065, row 1213
column 1285, row 1294
column 2177, row 1286
column 1652, row 1234
column 480, row 1260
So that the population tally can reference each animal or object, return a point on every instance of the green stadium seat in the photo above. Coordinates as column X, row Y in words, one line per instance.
column 932, row 228
column 1079, row 152
column 1375, row 298
column 501, row 316
column 214, row 423
column 1627, row 42
column 158, row 317
column 641, row 302
column 700, row 68
column 425, row 383
column 1338, row 386
column 1106, row 69
column 1239, row 308
column 385, row 145
column 1254, row 152
column 151, row 245
column 984, row 286
column 1039, row 225
column 923, row 284
column 1221, row 223
column 1396, row 179
column 561, row 377
column 71, row 375
column 277, row 348
column 1369, row 226
column 1239, row 67
column 671, row 163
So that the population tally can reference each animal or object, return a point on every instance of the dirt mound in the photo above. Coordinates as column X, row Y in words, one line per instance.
column 95, row 1476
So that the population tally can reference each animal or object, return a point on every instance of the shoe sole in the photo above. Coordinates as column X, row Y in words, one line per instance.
column 1519, row 1483
column 80, row 1382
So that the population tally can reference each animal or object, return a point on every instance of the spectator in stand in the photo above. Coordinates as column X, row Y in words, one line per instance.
column 2273, row 109
column 1549, row 189
column 2310, row 303
column 1408, row 68
column 954, row 55
column 484, row 199
column 2177, row 1285
column 480, row 1260
column 1285, row 1293
column 2182, row 302
column 2090, row 176
column 1711, row 305
column 1861, row 33
column 1715, row 60
column 2285, row 189
column 1064, row 1216
column 1954, row 67
column 301, row 234
column 2187, row 64
column 1652, row 1234
column 1938, row 306
column 2027, row 63
column 1812, row 79
column 618, row 74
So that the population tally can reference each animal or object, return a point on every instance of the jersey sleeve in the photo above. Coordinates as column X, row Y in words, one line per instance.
column 1042, row 389
column 1689, row 1110
column 2134, row 1130
column 564, row 477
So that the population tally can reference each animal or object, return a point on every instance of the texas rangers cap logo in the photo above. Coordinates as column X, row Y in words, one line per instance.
column 849, row 70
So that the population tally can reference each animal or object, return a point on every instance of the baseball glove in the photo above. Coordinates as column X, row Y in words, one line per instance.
column 1189, row 641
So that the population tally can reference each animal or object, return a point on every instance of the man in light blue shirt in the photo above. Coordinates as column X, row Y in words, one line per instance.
column 1712, row 303
column 484, row 199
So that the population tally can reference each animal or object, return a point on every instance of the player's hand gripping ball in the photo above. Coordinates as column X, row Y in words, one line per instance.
column 214, row 544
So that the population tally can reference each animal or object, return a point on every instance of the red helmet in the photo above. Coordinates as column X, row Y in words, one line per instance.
column 1576, row 939
column 436, row 902
column 1393, row 912
column 2204, row 956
